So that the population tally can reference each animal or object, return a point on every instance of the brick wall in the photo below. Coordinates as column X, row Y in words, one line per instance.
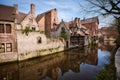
column 41, row 24
column 9, row 38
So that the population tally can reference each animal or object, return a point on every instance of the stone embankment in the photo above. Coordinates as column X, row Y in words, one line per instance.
column 117, row 64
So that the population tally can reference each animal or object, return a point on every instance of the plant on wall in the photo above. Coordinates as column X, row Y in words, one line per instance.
column 64, row 34
column 26, row 30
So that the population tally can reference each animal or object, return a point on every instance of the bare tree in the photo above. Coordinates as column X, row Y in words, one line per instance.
column 105, row 7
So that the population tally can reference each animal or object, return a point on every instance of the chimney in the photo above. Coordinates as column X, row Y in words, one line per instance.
column 32, row 9
column 79, row 22
column 16, row 7
column 76, row 20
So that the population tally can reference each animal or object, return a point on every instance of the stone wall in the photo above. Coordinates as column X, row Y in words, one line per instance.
column 30, row 21
column 28, row 46
column 8, row 57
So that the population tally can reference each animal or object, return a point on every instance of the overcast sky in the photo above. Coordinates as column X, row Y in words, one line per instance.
column 67, row 9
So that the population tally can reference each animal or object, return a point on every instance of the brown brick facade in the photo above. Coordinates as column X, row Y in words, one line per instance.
column 47, row 20
column 48, row 24
column 92, row 25
column 8, row 38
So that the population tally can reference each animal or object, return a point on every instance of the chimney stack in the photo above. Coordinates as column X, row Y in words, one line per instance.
column 76, row 20
column 16, row 7
column 32, row 9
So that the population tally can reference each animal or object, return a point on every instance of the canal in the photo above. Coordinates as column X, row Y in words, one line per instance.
column 76, row 64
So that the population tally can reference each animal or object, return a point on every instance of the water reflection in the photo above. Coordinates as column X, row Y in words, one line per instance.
column 76, row 64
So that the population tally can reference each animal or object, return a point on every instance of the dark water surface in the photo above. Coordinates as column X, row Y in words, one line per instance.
column 75, row 64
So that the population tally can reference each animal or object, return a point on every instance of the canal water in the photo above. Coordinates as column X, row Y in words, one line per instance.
column 76, row 64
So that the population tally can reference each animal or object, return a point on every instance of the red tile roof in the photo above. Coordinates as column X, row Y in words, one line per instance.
column 7, row 13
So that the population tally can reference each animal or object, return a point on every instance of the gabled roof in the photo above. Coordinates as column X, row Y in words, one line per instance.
column 90, row 20
column 67, row 24
column 81, row 33
column 43, row 14
column 20, row 17
column 7, row 13
column 39, row 17
column 58, row 25
column 84, row 30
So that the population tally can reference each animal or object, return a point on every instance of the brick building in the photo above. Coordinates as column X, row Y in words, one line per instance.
column 47, row 20
column 7, row 31
column 92, row 25
column 79, row 33
column 109, row 35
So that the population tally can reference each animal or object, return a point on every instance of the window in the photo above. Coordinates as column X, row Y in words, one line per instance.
column 8, row 28
column 1, row 28
column 33, row 28
column 39, row 40
column 2, row 47
column 8, row 47
column 5, row 29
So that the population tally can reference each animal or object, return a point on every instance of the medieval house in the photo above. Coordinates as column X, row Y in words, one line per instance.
column 19, row 46
column 47, row 21
column 92, row 25
column 61, row 30
column 7, row 29
column 26, row 20
column 7, row 33
column 79, row 33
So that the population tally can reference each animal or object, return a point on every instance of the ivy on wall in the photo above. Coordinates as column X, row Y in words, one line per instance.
column 26, row 30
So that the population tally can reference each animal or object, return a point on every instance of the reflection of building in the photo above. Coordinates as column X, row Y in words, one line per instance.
column 48, row 66
column 92, row 57
column 102, row 46
column 53, row 73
